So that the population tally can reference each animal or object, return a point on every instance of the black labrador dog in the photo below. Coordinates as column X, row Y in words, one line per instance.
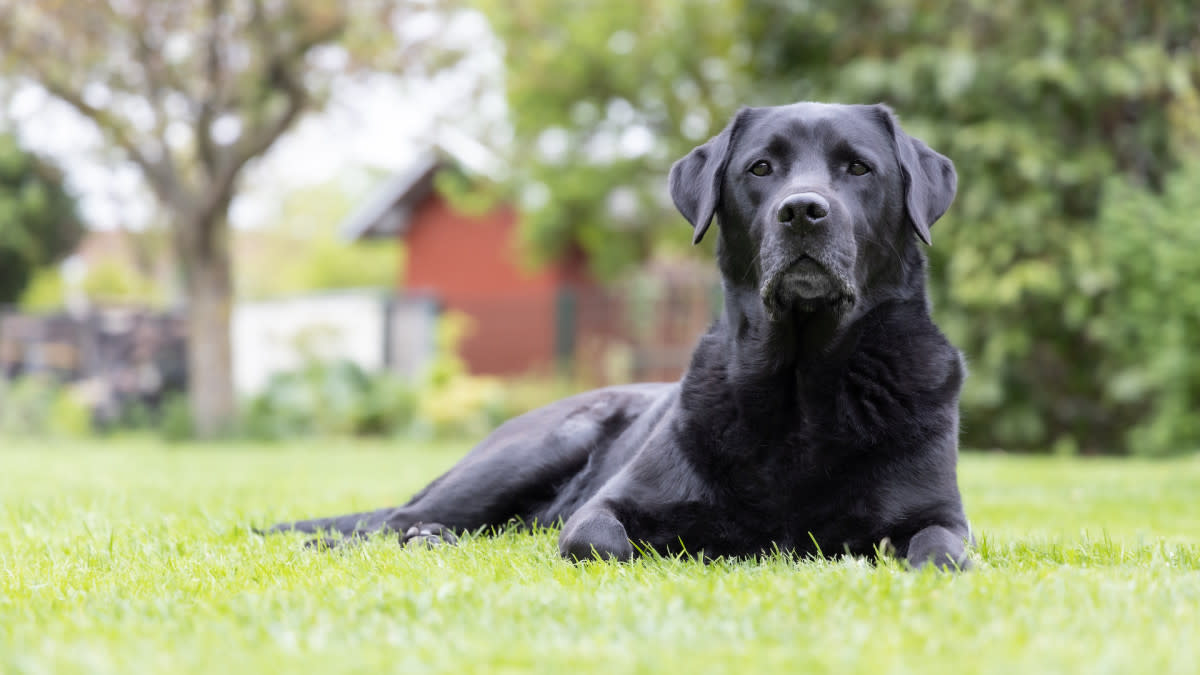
column 819, row 415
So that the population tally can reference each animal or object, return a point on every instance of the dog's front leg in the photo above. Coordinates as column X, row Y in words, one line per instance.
column 594, row 533
column 938, row 546
column 656, row 478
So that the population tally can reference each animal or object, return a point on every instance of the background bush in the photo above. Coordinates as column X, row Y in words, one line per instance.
column 36, row 406
column 38, row 219
column 1146, row 316
column 341, row 399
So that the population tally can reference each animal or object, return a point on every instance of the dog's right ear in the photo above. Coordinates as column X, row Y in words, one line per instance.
column 695, row 180
column 930, row 180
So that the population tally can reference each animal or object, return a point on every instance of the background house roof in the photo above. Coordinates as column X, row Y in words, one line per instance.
column 387, row 212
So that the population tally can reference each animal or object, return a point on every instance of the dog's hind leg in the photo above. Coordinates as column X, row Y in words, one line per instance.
column 508, row 478
column 365, row 521
column 535, row 468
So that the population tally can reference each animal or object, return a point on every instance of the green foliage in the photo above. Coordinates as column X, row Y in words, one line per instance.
column 1144, row 291
column 106, row 283
column 36, row 406
column 110, row 282
column 324, row 263
column 339, row 399
column 333, row 264
column 329, row 399
column 453, row 402
column 45, row 292
column 1040, row 105
column 175, row 419
column 38, row 223
column 304, row 252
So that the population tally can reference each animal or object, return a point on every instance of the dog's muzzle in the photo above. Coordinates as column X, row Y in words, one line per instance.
column 805, row 284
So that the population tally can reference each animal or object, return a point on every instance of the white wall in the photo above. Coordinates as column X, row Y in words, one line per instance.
column 279, row 335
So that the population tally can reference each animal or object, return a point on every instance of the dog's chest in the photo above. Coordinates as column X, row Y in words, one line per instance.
column 809, row 480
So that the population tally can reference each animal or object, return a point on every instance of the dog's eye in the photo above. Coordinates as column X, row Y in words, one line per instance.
column 761, row 168
column 858, row 168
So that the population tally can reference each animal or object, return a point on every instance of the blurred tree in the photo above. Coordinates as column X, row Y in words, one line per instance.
column 1039, row 104
column 38, row 221
column 192, row 91
column 615, row 91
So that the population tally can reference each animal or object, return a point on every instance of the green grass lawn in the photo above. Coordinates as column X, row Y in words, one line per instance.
column 131, row 557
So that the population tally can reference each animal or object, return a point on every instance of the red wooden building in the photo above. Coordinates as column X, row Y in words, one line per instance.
column 522, row 319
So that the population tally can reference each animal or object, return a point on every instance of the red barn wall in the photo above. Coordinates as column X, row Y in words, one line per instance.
column 470, row 264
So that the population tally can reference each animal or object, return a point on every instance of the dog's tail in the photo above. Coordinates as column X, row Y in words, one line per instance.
column 351, row 523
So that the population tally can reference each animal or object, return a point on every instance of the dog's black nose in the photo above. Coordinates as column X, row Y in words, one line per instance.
column 803, row 208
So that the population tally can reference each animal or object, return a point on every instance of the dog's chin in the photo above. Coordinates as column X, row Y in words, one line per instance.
column 806, row 286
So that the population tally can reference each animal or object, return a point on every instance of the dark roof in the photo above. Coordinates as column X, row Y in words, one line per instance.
column 387, row 213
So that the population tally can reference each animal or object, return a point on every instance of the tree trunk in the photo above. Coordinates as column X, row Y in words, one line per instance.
column 208, row 279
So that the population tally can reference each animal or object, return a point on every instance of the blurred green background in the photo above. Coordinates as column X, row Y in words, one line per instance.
column 1066, row 270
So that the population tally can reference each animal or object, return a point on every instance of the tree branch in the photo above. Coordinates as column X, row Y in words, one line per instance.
column 279, row 73
column 159, row 173
column 212, row 101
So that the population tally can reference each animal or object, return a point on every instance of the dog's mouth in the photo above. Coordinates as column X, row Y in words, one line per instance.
column 804, row 284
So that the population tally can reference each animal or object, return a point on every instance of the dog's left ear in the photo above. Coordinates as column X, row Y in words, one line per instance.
column 695, row 180
column 929, row 177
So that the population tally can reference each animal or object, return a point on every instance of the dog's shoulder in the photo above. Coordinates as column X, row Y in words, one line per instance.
column 705, row 384
column 900, row 348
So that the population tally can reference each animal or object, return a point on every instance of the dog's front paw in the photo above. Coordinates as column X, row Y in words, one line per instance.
column 938, row 547
column 594, row 536
column 428, row 535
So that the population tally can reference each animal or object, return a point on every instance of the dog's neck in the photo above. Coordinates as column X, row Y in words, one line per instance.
column 763, row 364
column 770, row 364
column 759, row 346
column 770, row 367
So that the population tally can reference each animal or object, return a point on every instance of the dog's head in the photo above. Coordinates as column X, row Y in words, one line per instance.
column 818, row 204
